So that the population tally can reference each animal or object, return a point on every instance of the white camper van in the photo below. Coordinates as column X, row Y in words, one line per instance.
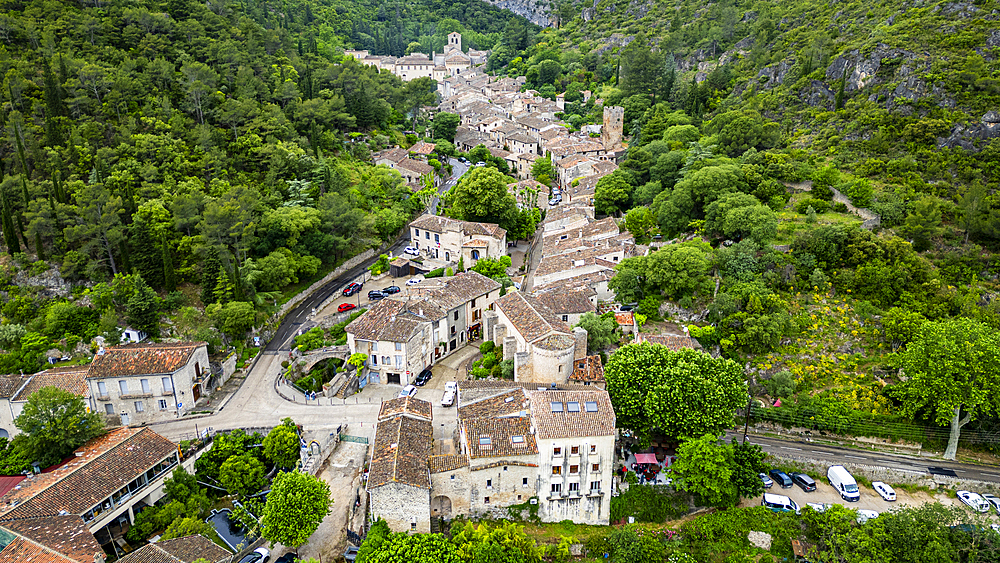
column 841, row 480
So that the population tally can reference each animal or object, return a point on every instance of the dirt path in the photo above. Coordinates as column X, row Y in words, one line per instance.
column 342, row 472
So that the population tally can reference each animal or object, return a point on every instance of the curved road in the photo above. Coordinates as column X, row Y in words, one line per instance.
column 257, row 403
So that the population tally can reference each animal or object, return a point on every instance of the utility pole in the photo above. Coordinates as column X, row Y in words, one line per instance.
column 746, row 425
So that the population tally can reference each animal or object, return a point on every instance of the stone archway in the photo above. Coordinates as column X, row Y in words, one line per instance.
column 441, row 507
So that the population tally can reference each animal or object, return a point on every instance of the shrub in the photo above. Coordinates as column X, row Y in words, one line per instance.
column 656, row 503
column 819, row 205
column 434, row 273
column 486, row 347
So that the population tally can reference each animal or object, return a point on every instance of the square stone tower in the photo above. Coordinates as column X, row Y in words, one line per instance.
column 611, row 132
column 454, row 41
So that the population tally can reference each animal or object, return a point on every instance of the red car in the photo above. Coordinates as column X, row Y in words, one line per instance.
column 346, row 307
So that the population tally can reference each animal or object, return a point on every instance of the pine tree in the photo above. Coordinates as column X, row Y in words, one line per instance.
column 142, row 309
column 211, row 267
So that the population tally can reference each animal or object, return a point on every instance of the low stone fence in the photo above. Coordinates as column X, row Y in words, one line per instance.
column 337, row 272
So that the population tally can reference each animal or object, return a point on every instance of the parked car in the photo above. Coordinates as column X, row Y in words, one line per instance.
column 414, row 281
column 411, row 250
column 346, row 307
column 804, row 481
column 994, row 500
column 451, row 386
column 554, row 201
column 768, row 482
column 974, row 501
column 866, row 515
column 408, row 391
column 392, row 289
column 423, row 377
column 779, row 503
column 448, row 399
column 842, row 481
column 781, row 478
column 375, row 295
column 627, row 307
column 286, row 558
column 259, row 555
column 351, row 554
column 351, row 289
column 819, row 506
column 886, row 492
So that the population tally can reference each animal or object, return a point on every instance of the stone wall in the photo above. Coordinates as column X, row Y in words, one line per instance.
column 401, row 506
column 337, row 272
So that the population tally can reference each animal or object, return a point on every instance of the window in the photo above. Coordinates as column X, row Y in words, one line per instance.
column 485, row 441
column 524, row 481
column 475, row 255
column 518, row 497
column 123, row 387
column 167, row 386
column 574, row 487
column 556, row 470
column 575, row 450
column 374, row 360
column 453, row 331
column 473, row 302
column 145, row 385
column 374, row 346
column 593, row 448
column 565, row 318
column 489, row 483
column 596, row 468
column 556, row 451
column 399, row 346
column 399, row 361
column 456, row 315
column 162, row 404
column 517, row 440
column 102, row 388
column 556, row 487
column 413, row 526
column 386, row 360
column 574, row 469
column 573, row 406
column 591, row 406
column 595, row 485
column 139, row 406
column 505, row 468
column 556, row 406
column 486, row 500
column 427, row 235
column 452, row 477
column 416, row 232
column 109, row 408
column 437, row 238
column 560, row 371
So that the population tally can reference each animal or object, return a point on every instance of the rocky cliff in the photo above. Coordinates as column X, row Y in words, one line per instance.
column 533, row 10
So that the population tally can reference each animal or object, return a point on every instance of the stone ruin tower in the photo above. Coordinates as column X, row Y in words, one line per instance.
column 611, row 132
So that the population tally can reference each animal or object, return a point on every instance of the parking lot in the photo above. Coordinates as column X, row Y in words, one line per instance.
column 361, row 298
column 870, row 500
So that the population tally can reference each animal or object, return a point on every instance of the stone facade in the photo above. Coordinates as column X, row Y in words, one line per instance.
column 404, row 508
column 447, row 239
column 613, row 129
column 584, row 494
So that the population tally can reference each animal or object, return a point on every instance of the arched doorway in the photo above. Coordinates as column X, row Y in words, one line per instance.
column 441, row 507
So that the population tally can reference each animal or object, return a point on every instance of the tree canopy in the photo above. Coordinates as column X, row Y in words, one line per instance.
column 296, row 505
column 281, row 445
column 55, row 422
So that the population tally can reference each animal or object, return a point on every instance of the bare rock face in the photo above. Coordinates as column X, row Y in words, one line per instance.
column 532, row 11
column 50, row 282
column 774, row 75
column 966, row 136
column 761, row 540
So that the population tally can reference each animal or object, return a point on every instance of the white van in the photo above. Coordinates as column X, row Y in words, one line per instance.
column 448, row 399
column 842, row 481
column 779, row 503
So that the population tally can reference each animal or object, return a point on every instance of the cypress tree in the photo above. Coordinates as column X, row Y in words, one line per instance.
column 39, row 248
column 838, row 103
column 211, row 267
column 169, row 276
column 53, row 108
column 10, row 237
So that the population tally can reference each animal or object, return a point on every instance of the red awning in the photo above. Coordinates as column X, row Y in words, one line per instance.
column 645, row 458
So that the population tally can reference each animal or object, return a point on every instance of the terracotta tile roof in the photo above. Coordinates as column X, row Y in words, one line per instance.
column 672, row 341
column 487, row 229
column 475, row 243
column 572, row 260
column 21, row 550
column 528, row 156
column 507, row 403
column 143, row 359
column 405, row 405
column 436, row 223
column 605, row 167
column 393, row 320
column 422, row 147
column 567, row 423
column 571, row 302
column 450, row 462
column 624, row 318
column 415, row 166
column 589, row 369
column 400, row 452
column 495, row 437
column 179, row 550
column 451, row 292
column 66, row 535
column 556, row 342
column 521, row 138
column 583, row 280
column 101, row 467
column 499, row 153
column 73, row 380
column 9, row 384
column 393, row 155
column 532, row 319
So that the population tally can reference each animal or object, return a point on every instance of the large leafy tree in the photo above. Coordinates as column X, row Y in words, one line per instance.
column 601, row 331
column 243, row 475
column 705, row 468
column 504, row 542
column 482, row 196
column 400, row 547
column 953, row 371
column 281, row 445
column 56, row 422
column 680, row 393
column 444, row 126
column 296, row 505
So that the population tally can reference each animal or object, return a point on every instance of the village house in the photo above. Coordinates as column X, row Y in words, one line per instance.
column 445, row 239
column 402, row 337
column 98, row 491
column 542, row 346
column 588, row 371
column 438, row 66
column 185, row 549
column 569, row 304
column 399, row 484
column 144, row 383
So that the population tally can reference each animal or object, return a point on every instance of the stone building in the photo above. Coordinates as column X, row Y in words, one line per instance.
column 445, row 239
column 613, row 129
column 144, row 383
column 542, row 346
column 399, row 483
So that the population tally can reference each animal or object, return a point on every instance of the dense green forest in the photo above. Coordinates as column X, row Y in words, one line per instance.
column 202, row 161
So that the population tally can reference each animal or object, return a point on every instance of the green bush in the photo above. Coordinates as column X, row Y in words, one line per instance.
column 819, row 205
column 434, row 273
column 486, row 347
column 656, row 503
column 337, row 332
column 489, row 360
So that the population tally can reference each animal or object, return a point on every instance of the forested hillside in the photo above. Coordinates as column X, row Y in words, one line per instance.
column 201, row 161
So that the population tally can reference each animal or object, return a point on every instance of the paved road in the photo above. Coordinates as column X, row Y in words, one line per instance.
column 835, row 455
column 457, row 171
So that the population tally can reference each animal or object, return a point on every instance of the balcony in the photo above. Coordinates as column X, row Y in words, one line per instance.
column 137, row 396
column 594, row 493
column 102, row 397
